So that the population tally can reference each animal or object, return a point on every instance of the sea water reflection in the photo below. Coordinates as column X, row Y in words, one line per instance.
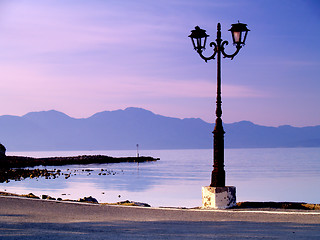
column 288, row 174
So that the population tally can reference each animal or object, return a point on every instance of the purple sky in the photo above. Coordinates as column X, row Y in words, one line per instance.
column 82, row 57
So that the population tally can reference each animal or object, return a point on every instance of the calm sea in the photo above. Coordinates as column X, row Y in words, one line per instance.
column 269, row 174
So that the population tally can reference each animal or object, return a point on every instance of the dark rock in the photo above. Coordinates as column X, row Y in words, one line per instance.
column 47, row 197
column 19, row 174
column 88, row 200
column 277, row 205
column 30, row 195
column 132, row 203
column 2, row 151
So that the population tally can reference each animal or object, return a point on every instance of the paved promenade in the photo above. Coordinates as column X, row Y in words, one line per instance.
column 42, row 219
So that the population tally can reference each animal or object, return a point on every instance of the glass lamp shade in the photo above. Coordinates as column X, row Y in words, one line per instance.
column 239, row 33
column 199, row 38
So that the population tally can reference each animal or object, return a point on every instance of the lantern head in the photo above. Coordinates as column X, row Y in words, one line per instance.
column 239, row 33
column 199, row 38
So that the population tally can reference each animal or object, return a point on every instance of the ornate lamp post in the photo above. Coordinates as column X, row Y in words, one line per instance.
column 199, row 38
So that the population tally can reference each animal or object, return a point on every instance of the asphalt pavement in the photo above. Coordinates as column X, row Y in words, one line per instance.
column 22, row 218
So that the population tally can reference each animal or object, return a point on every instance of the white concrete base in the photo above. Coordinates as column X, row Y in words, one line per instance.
column 218, row 197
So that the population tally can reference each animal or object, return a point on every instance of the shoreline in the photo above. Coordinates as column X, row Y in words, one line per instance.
column 50, row 202
column 241, row 206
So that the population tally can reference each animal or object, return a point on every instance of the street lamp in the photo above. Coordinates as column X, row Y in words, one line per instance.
column 198, row 36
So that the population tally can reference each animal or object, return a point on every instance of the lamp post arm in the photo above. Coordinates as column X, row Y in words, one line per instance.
column 225, row 55
column 206, row 59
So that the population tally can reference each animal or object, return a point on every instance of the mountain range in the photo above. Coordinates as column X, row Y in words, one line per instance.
column 123, row 129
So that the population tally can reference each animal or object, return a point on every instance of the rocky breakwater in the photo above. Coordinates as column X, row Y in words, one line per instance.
column 20, row 174
column 15, row 167
column 21, row 162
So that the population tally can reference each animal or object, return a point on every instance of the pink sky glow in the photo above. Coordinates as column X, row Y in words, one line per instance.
column 81, row 58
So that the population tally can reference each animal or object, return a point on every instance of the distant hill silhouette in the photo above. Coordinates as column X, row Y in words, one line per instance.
column 123, row 129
